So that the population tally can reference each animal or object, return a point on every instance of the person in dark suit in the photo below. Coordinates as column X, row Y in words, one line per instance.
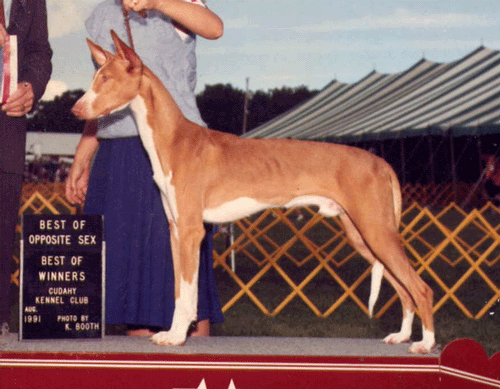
column 28, row 20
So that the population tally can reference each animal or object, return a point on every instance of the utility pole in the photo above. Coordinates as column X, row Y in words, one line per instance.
column 245, row 108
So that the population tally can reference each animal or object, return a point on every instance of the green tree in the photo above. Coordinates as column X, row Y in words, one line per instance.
column 55, row 115
column 221, row 107
column 267, row 106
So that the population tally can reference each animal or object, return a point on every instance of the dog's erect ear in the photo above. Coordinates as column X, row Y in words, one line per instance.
column 98, row 53
column 125, row 52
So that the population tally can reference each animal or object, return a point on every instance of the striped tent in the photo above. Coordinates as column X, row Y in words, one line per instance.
column 460, row 97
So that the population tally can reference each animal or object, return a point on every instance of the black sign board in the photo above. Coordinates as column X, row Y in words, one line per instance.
column 62, row 277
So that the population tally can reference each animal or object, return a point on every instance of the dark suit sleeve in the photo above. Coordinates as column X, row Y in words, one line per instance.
column 35, row 67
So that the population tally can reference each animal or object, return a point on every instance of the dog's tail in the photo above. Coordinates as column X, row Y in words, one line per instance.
column 396, row 197
column 378, row 267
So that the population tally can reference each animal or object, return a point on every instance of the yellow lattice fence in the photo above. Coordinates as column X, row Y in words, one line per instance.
column 462, row 193
column 456, row 252
column 40, row 198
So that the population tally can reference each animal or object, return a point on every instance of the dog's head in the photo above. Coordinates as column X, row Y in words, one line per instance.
column 116, row 82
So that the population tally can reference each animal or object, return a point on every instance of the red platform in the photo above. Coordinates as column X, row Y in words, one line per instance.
column 243, row 363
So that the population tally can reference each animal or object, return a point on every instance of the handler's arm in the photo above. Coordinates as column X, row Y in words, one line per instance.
column 78, row 178
column 197, row 19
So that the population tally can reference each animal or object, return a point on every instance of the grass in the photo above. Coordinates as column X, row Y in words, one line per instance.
column 348, row 321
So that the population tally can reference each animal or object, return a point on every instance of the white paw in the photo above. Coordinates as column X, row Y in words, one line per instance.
column 421, row 348
column 397, row 338
column 169, row 338
column 425, row 345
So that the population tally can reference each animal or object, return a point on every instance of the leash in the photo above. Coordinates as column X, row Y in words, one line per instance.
column 127, row 27
column 126, row 17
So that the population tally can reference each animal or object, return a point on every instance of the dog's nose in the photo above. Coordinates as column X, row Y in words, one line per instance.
column 78, row 109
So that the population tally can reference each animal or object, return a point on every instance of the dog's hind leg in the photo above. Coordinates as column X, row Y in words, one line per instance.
column 383, row 241
column 406, row 300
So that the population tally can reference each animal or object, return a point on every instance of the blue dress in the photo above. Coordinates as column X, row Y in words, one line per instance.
column 139, row 270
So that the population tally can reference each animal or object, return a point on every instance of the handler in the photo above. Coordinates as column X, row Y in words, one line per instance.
column 28, row 20
column 139, row 268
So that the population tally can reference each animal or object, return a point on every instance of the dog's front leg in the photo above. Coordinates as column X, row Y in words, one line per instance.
column 186, row 236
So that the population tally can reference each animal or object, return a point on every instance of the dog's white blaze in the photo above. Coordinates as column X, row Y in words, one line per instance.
column 171, row 196
column 168, row 200
column 407, row 324
column 139, row 108
column 327, row 206
column 246, row 206
column 185, row 306
column 89, row 97
column 87, row 100
column 164, row 183
column 185, row 313
column 234, row 210
column 121, row 107
column 429, row 339
column 426, row 344
column 189, row 296
column 376, row 282
column 405, row 333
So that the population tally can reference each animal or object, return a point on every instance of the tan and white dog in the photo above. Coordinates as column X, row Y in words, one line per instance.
column 205, row 175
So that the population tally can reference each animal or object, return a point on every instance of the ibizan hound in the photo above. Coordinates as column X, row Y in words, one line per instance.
column 205, row 175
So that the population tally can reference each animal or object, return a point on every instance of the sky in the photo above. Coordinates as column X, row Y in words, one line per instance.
column 292, row 43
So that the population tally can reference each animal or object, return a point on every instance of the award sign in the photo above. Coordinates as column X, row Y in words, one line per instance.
column 62, row 277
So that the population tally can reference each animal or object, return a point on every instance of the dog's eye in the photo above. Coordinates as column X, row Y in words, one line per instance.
column 104, row 78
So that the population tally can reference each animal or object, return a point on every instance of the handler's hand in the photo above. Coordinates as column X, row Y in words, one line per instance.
column 77, row 182
column 140, row 5
column 21, row 102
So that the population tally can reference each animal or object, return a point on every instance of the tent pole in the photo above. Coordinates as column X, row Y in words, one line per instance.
column 480, row 153
column 453, row 170
column 431, row 159
column 403, row 166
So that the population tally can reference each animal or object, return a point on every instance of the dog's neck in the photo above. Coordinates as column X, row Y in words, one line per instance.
column 155, row 109
column 158, row 119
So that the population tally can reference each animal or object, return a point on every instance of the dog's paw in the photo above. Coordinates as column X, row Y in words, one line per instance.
column 397, row 338
column 421, row 348
column 169, row 338
column 426, row 345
